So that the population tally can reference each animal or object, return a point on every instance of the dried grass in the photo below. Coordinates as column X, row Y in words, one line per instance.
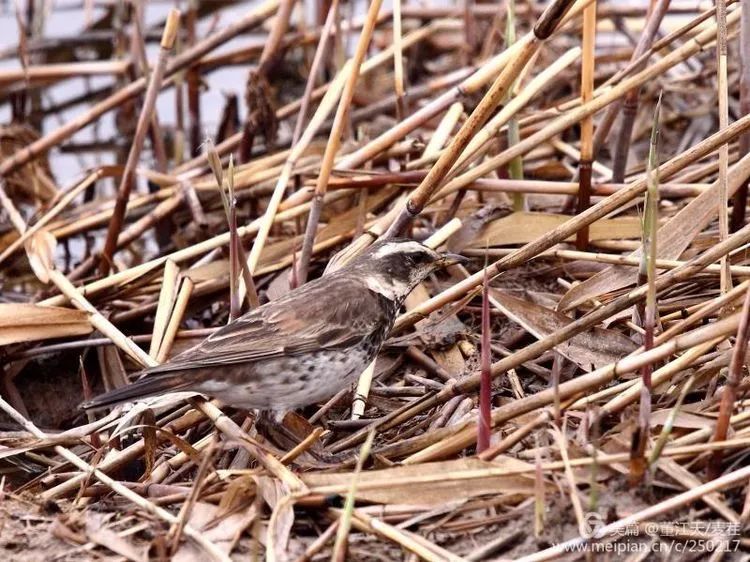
column 516, row 153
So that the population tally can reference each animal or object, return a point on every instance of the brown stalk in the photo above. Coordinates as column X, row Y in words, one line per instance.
column 144, row 122
column 334, row 140
column 7, row 203
column 587, row 125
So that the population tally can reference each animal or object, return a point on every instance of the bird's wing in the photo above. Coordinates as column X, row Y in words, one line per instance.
column 330, row 313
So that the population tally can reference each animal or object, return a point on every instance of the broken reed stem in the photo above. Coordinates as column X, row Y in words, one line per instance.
column 144, row 122
column 235, row 305
column 359, row 403
column 527, row 46
column 629, row 105
column 269, row 57
column 334, row 140
column 587, row 124
column 468, row 86
column 13, row 214
column 243, row 287
column 723, row 93
column 192, row 81
column 666, row 429
column 64, row 201
column 98, row 320
column 479, row 143
column 178, row 312
column 164, row 306
column 575, row 499
column 729, row 394
column 443, row 131
column 538, row 489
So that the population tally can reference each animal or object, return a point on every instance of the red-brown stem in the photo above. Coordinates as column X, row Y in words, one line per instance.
column 485, row 386
column 640, row 437
column 144, row 121
column 729, row 394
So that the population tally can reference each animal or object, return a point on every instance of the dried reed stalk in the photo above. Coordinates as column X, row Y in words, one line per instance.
column 144, row 122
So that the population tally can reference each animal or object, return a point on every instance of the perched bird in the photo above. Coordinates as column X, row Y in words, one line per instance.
column 302, row 348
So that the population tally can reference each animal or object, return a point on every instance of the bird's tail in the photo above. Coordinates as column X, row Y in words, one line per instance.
column 150, row 385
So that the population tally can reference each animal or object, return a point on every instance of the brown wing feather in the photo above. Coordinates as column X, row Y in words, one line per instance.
column 330, row 313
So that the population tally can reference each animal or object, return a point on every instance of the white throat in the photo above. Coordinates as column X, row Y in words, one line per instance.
column 390, row 288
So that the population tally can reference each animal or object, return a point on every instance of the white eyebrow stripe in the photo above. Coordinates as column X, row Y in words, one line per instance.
column 399, row 247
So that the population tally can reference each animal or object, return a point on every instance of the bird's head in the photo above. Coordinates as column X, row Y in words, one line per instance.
column 394, row 267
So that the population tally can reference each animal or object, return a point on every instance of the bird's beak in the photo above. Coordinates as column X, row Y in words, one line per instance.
column 451, row 259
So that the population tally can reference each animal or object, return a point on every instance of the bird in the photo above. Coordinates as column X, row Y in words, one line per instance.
column 302, row 348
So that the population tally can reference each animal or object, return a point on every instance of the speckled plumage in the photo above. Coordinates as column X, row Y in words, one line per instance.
column 305, row 346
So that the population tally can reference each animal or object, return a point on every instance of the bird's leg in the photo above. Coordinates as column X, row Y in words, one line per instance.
column 272, row 423
column 273, row 420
